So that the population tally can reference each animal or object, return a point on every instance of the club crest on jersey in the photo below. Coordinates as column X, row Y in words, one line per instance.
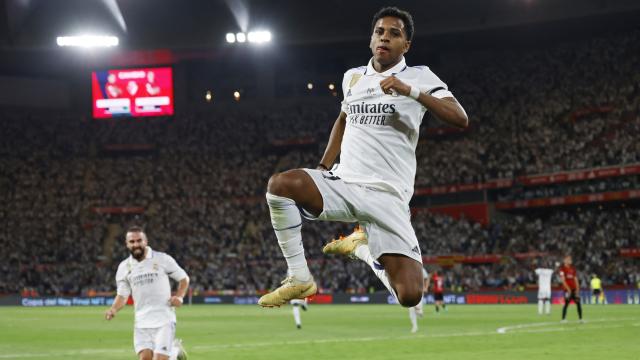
column 354, row 79
column 155, row 266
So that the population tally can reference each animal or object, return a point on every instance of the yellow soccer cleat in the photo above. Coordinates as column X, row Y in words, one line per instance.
column 347, row 245
column 290, row 289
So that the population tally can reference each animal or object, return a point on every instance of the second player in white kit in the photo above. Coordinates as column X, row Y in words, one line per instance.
column 145, row 276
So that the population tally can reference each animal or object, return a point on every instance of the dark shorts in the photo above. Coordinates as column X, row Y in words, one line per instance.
column 596, row 292
column 438, row 296
column 572, row 295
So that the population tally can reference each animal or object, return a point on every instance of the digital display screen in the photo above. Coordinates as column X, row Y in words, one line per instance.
column 132, row 92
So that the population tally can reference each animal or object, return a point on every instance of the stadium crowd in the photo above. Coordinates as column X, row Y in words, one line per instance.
column 200, row 179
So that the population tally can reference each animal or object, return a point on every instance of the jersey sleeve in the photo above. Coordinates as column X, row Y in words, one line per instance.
column 172, row 268
column 123, row 286
column 431, row 84
column 345, row 88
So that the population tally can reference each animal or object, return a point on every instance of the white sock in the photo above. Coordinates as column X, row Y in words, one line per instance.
column 547, row 307
column 287, row 224
column 296, row 315
column 363, row 253
column 419, row 307
column 413, row 317
column 540, row 304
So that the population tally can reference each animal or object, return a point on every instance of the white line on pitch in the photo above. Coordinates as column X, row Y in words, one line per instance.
column 504, row 329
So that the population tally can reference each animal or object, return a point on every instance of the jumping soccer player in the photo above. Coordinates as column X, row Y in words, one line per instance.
column 145, row 275
column 571, row 286
column 544, row 290
column 376, row 135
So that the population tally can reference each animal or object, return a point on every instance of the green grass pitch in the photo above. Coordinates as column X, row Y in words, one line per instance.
column 332, row 332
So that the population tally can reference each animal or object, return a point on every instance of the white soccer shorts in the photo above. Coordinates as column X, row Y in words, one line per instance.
column 384, row 216
column 159, row 340
column 543, row 294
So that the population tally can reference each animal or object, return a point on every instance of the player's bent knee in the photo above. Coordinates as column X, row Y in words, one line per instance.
column 274, row 186
column 280, row 184
column 286, row 184
column 409, row 298
column 145, row 355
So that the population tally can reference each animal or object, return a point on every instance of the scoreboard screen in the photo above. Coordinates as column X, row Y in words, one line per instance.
column 132, row 92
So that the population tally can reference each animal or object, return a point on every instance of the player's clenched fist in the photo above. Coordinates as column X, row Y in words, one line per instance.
column 392, row 85
column 176, row 301
column 110, row 314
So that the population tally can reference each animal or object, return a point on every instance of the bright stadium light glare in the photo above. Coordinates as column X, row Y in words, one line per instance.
column 310, row 86
column 253, row 37
column 259, row 37
column 266, row 36
column 87, row 41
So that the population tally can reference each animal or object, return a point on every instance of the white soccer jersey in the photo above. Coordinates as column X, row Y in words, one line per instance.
column 148, row 281
column 544, row 280
column 381, row 132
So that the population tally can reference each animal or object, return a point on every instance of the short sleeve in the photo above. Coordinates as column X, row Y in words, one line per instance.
column 345, row 84
column 123, row 286
column 431, row 84
column 172, row 268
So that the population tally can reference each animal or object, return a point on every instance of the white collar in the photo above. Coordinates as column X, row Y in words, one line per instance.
column 400, row 66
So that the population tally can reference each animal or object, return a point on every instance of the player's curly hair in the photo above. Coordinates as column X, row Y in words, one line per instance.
column 393, row 11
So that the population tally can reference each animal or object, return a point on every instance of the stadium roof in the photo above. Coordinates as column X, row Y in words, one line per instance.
column 151, row 24
column 168, row 31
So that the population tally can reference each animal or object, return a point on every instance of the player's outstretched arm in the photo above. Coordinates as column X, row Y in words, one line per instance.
column 118, row 303
column 178, row 298
column 335, row 142
column 447, row 109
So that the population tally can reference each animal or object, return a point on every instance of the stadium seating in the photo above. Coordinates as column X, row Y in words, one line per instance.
column 200, row 179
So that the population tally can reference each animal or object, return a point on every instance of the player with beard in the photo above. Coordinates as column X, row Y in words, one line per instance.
column 375, row 134
column 145, row 275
